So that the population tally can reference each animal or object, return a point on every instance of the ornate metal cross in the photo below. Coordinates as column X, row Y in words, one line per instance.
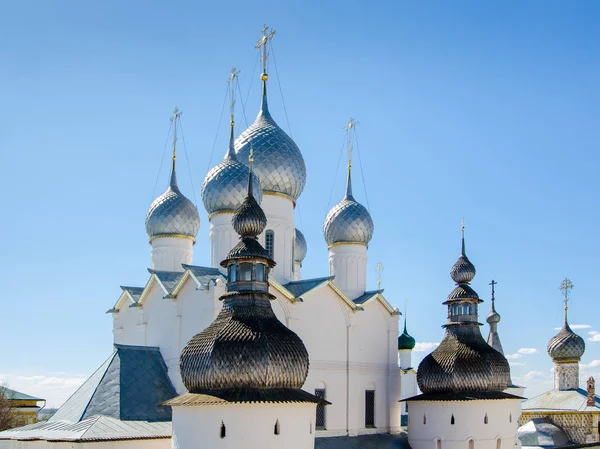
column 378, row 269
column 350, row 133
column 262, row 42
column 565, row 286
column 176, row 114
column 231, row 80
column 493, row 283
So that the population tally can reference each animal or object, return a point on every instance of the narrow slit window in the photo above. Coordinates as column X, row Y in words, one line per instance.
column 276, row 428
column 270, row 243
column 452, row 420
column 320, row 418
column 369, row 408
column 223, row 430
column 424, row 419
column 485, row 419
column 471, row 444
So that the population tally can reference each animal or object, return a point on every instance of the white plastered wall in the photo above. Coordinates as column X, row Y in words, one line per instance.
column 348, row 263
column 168, row 253
column 222, row 238
column 431, row 421
column 248, row 426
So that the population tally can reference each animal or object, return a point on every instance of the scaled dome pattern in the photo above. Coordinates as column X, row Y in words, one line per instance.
column 278, row 162
column 566, row 345
column 463, row 362
column 300, row 247
column 348, row 221
column 226, row 184
column 172, row 214
column 247, row 352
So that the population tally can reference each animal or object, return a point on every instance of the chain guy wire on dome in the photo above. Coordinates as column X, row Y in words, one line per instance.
column 279, row 164
column 224, row 187
column 188, row 163
column 348, row 221
column 464, row 363
column 162, row 158
column 246, row 354
column 212, row 151
column 172, row 213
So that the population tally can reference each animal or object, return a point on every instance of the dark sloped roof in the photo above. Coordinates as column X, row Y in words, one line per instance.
column 169, row 279
column 128, row 386
column 238, row 395
column 204, row 274
column 462, row 396
column 13, row 395
column 366, row 296
column 376, row 441
column 299, row 288
column 134, row 292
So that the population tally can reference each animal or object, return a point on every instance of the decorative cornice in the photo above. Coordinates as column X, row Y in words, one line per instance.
column 173, row 236
column 219, row 212
column 347, row 243
column 283, row 195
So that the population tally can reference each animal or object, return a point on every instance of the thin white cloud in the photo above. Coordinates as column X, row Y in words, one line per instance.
column 594, row 336
column 54, row 389
column 528, row 351
column 513, row 356
column 424, row 346
column 516, row 363
column 534, row 375
column 575, row 326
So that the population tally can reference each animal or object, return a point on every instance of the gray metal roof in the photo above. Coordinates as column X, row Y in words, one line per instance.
column 169, row 279
column 134, row 292
column 95, row 428
column 13, row 395
column 366, row 296
column 299, row 288
column 204, row 274
column 128, row 386
column 541, row 432
column 567, row 400
column 376, row 441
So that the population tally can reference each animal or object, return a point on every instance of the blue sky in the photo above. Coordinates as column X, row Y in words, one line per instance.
column 482, row 110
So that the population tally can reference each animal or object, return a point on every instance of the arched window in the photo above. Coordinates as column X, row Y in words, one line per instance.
column 452, row 420
column 498, row 443
column 223, row 430
column 320, row 419
column 369, row 408
column 471, row 444
column 245, row 272
column 485, row 419
column 276, row 428
column 438, row 444
column 233, row 273
column 260, row 272
column 270, row 243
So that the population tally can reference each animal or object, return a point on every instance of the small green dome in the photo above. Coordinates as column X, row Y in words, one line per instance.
column 405, row 341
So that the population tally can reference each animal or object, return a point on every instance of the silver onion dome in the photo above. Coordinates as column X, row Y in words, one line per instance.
column 226, row 184
column 348, row 221
column 278, row 162
column 172, row 214
column 300, row 247
column 566, row 344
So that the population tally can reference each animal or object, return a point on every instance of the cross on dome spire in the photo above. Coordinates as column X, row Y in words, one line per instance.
column 350, row 135
column 176, row 114
column 262, row 45
column 565, row 286
column 378, row 269
column 462, row 228
column 231, row 80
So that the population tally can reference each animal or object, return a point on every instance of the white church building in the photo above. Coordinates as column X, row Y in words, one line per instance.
column 247, row 353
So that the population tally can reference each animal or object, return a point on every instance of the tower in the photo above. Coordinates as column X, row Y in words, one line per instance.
column 280, row 168
column 566, row 349
column 408, row 379
column 172, row 222
column 224, row 190
column 348, row 229
column 300, row 249
column 493, row 318
column 463, row 381
column 244, row 371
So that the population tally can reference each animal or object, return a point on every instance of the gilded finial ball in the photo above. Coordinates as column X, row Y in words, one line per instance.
column 264, row 77
column 232, row 123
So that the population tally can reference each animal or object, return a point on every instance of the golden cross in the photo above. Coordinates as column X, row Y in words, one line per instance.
column 350, row 133
column 405, row 306
column 565, row 286
column 262, row 42
column 231, row 80
column 378, row 269
column 176, row 114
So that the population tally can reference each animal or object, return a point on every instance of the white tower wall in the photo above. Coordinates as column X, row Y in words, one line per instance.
column 566, row 376
column 248, row 426
column 405, row 358
column 222, row 238
column 348, row 263
column 279, row 210
column 168, row 253
column 430, row 424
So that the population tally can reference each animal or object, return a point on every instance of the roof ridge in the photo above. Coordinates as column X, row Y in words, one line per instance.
column 325, row 278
